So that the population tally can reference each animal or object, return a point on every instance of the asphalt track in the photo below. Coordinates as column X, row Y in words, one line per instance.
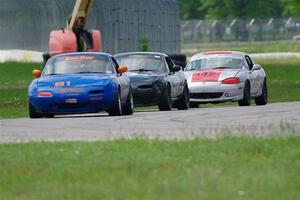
column 279, row 119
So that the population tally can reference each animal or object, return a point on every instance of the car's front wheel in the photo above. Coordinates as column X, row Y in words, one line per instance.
column 194, row 105
column 184, row 102
column 165, row 103
column 32, row 112
column 128, row 107
column 116, row 108
column 263, row 98
column 246, row 101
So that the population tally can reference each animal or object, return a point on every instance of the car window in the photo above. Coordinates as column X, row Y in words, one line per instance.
column 170, row 63
column 72, row 64
column 141, row 62
column 115, row 64
column 246, row 64
column 249, row 62
column 215, row 62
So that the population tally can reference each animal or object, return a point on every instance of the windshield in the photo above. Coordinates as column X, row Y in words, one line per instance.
column 78, row 64
column 142, row 62
column 215, row 63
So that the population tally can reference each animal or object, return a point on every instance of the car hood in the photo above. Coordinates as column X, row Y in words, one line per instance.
column 212, row 75
column 74, row 80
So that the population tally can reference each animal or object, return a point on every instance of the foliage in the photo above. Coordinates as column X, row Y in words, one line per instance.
column 292, row 7
column 191, row 9
column 228, row 9
column 144, row 45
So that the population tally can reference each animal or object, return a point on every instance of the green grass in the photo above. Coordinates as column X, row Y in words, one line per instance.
column 228, row 168
column 255, row 47
column 283, row 80
column 14, row 81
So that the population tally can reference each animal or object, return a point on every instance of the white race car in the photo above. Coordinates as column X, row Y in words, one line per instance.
column 221, row 76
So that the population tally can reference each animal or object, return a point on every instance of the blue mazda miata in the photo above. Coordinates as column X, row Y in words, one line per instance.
column 80, row 83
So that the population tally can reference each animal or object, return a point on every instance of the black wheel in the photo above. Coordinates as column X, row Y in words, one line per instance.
column 194, row 105
column 116, row 109
column 32, row 112
column 165, row 103
column 246, row 101
column 263, row 98
column 128, row 107
column 184, row 102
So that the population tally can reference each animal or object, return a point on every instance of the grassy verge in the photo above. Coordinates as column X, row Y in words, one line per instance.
column 283, row 80
column 255, row 47
column 14, row 81
column 239, row 168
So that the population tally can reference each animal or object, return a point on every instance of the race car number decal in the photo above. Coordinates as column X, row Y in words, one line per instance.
column 207, row 75
column 59, row 84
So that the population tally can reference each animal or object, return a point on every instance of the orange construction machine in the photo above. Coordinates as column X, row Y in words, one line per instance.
column 75, row 38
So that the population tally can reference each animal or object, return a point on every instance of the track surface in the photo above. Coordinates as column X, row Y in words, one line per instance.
column 271, row 120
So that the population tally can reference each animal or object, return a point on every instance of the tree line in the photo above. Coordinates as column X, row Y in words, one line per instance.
column 244, row 9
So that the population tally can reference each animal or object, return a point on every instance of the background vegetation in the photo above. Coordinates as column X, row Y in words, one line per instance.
column 228, row 9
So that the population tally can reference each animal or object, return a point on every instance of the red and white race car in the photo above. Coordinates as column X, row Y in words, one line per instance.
column 221, row 76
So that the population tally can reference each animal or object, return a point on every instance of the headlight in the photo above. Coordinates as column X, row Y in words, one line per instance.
column 44, row 94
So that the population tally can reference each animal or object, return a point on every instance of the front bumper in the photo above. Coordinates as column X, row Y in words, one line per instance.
column 73, row 103
column 215, row 92
column 146, row 96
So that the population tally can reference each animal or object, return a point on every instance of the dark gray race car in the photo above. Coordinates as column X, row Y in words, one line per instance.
column 155, row 80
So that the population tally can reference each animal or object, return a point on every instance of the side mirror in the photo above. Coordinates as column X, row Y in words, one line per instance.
column 176, row 68
column 122, row 69
column 256, row 67
column 37, row 73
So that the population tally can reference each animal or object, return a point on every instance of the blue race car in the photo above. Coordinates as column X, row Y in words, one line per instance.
column 80, row 83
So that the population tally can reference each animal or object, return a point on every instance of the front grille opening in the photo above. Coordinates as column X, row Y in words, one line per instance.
column 145, row 87
column 96, row 92
column 206, row 95
column 71, row 106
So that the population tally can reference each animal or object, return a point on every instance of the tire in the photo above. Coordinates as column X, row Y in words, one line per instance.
column 32, row 112
column 165, row 103
column 194, row 105
column 184, row 102
column 246, row 101
column 116, row 108
column 128, row 107
column 263, row 98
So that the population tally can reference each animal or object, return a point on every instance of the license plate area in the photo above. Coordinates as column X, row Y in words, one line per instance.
column 71, row 101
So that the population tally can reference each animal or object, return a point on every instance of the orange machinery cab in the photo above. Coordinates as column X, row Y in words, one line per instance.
column 65, row 41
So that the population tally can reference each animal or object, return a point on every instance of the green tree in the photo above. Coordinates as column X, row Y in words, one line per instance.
column 191, row 9
column 220, row 9
column 292, row 7
column 144, row 45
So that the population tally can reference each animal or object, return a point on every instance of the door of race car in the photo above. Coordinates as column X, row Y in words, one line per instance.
column 253, row 77
column 175, row 78
column 124, row 82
